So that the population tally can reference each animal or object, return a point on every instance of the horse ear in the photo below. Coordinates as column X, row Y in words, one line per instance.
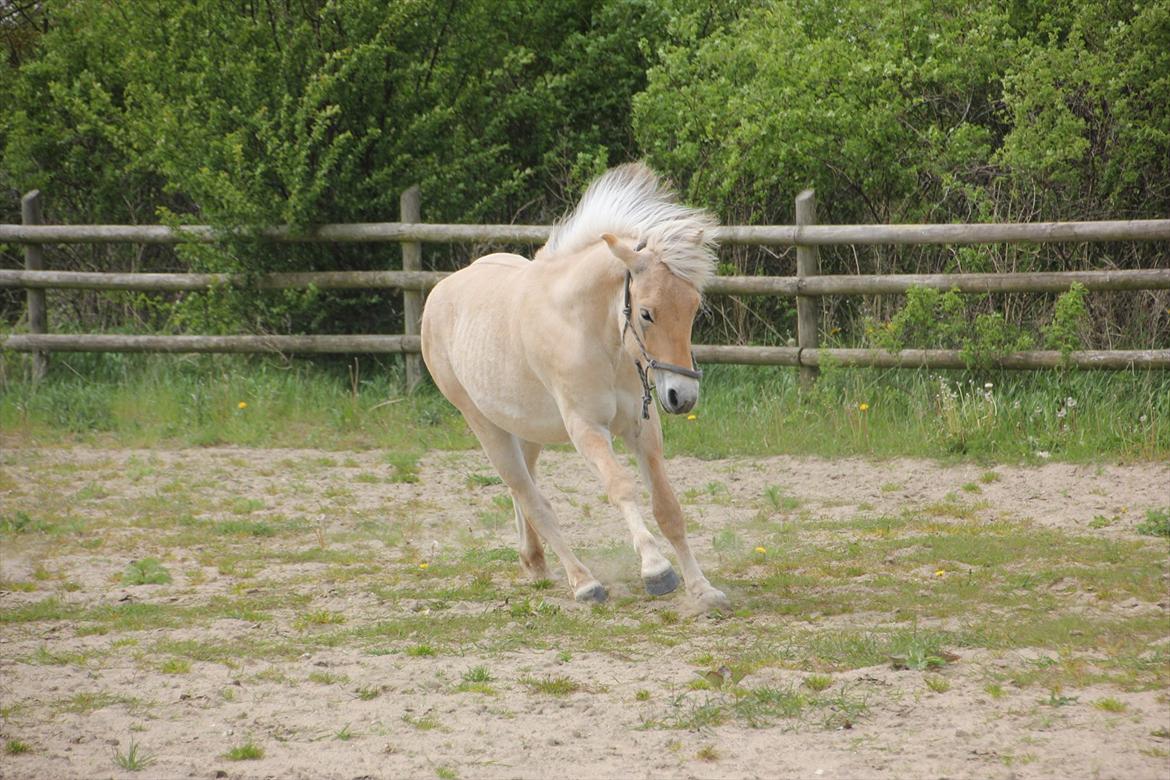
column 623, row 251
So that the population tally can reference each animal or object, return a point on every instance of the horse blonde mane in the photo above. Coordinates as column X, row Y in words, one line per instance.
column 630, row 200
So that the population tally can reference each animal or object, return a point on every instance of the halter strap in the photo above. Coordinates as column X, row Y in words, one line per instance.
column 694, row 372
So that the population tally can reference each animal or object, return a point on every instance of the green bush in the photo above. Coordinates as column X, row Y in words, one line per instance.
column 934, row 320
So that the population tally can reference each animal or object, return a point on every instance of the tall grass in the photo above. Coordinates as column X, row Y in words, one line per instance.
column 143, row 400
column 156, row 400
column 887, row 413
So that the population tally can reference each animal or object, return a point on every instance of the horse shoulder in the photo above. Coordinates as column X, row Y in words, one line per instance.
column 503, row 259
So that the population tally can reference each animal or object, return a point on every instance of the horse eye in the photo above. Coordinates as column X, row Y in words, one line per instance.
column 641, row 245
column 646, row 315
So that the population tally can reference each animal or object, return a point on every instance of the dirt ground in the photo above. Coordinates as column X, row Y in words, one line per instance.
column 328, row 607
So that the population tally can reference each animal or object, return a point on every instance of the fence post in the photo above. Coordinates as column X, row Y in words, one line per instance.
column 411, row 208
column 807, row 264
column 34, row 260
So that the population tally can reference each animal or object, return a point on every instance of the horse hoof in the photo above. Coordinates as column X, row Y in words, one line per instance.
column 715, row 601
column 662, row 583
column 594, row 592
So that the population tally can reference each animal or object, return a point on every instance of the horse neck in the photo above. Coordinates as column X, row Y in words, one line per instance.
column 589, row 286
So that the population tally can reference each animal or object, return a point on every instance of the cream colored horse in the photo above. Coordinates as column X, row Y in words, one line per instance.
column 565, row 347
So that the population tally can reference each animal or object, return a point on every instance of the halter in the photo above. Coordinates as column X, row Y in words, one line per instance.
column 694, row 372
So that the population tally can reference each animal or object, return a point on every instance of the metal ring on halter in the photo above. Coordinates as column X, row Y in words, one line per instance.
column 694, row 372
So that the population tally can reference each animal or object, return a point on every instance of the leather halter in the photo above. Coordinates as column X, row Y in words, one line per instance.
column 694, row 372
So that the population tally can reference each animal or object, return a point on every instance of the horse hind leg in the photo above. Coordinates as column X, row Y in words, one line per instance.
column 505, row 452
column 531, row 549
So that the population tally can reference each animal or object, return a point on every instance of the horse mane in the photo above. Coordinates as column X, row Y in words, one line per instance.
column 631, row 200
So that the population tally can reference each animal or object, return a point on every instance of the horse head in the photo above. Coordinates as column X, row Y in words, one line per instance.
column 659, row 312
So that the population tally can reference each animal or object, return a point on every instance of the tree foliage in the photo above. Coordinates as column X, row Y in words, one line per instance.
column 244, row 113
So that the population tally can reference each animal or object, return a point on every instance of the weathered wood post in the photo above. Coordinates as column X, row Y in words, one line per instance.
column 34, row 260
column 411, row 208
column 807, row 264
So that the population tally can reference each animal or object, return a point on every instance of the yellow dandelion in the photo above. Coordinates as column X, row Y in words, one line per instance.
column 423, row 565
column 863, row 407
column 242, row 405
column 761, row 550
column 692, row 416
column 939, row 572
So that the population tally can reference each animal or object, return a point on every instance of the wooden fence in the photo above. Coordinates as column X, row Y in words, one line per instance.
column 806, row 286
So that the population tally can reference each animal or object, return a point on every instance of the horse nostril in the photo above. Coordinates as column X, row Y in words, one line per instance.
column 672, row 399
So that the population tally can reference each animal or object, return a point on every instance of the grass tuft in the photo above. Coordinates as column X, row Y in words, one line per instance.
column 248, row 751
column 134, row 759
column 1157, row 523
column 147, row 571
column 559, row 685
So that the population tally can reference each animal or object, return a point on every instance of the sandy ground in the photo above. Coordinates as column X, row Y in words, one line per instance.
column 417, row 724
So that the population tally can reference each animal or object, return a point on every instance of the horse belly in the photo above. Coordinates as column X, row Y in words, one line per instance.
column 485, row 353
column 537, row 422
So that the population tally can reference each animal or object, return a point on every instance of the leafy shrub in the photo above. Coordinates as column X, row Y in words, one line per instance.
column 1069, row 317
column 934, row 320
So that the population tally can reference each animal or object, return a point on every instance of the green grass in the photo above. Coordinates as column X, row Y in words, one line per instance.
column 176, row 666
column 818, row 682
column 478, row 674
column 937, row 684
column 144, row 400
column 318, row 617
column 248, row 751
column 702, row 708
column 1110, row 704
column 134, row 759
column 147, row 571
column 14, row 747
column 558, row 685
column 1157, row 523
column 423, row 723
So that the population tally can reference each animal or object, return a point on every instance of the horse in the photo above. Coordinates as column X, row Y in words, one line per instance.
column 567, row 346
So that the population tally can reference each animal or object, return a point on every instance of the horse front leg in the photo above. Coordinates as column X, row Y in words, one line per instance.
column 668, row 513
column 596, row 445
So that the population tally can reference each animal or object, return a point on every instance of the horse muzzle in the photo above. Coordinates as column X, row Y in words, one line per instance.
column 677, row 394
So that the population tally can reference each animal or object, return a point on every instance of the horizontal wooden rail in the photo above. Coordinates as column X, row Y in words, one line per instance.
column 166, row 282
column 746, row 355
column 358, row 232
column 782, row 286
column 1021, row 361
column 89, row 342
column 761, row 235
column 930, row 358
column 895, row 284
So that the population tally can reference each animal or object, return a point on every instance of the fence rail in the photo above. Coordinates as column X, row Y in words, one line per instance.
column 757, row 235
column 803, row 357
column 806, row 286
